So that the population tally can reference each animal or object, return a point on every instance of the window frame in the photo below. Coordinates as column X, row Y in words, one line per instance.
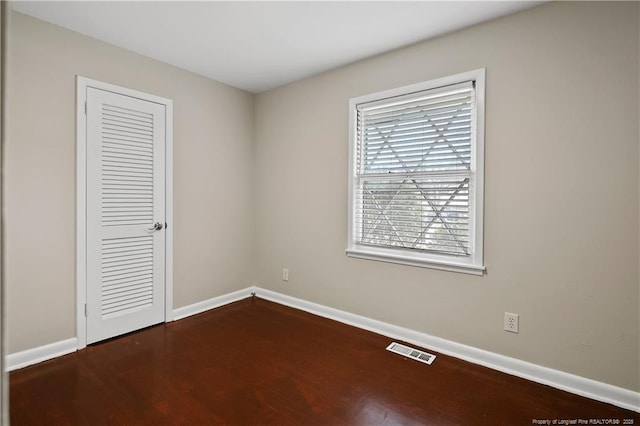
column 472, row 264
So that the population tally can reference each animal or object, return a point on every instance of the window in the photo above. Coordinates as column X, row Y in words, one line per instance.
column 416, row 174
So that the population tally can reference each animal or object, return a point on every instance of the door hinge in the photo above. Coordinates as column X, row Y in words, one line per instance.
column 85, row 108
column 85, row 309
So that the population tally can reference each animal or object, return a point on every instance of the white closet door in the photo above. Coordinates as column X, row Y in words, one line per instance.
column 125, row 199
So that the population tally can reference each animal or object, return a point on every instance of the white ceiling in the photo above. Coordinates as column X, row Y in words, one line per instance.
column 257, row 46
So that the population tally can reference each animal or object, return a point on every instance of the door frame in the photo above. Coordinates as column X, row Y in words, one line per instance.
column 82, row 83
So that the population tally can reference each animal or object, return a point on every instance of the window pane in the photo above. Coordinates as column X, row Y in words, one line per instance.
column 415, row 213
column 427, row 134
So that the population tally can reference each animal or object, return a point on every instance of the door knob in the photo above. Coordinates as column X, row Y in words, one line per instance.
column 156, row 227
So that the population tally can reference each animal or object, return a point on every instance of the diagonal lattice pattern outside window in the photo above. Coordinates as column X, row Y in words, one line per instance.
column 413, row 171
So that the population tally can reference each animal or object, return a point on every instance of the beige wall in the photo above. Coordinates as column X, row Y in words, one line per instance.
column 213, row 133
column 561, row 196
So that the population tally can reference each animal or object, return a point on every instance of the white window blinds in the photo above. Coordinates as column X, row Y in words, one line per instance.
column 414, row 170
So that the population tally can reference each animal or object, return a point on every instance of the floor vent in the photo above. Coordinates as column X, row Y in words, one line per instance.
column 416, row 354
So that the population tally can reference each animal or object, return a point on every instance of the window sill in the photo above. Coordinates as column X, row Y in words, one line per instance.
column 461, row 267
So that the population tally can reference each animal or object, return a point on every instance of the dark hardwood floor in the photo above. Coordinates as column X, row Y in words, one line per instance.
column 254, row 362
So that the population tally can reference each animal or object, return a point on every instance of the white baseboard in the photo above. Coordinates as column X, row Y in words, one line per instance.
column 215, row 302
column 41, row 353
column 620, row 397
column 558, row 379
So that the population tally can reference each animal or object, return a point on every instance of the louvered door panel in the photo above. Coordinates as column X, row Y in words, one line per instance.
column 127, row 167
column 127, row 275
column 125, row 183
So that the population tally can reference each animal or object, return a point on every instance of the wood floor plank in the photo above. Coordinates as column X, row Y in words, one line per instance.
column 255, row 362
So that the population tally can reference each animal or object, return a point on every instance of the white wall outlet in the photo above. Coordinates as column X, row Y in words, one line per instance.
column 511, row 322
column 285, row 274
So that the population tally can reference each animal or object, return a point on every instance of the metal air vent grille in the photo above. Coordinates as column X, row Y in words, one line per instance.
column 416, row 354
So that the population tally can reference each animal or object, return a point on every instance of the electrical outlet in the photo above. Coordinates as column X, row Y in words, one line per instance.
column 511, row 322
column 285, row 274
